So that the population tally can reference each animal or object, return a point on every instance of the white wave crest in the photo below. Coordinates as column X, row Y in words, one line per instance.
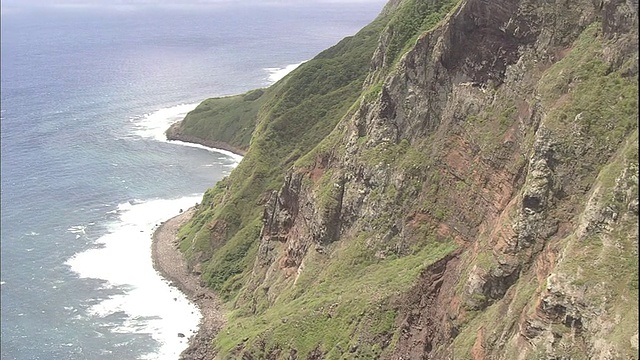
column 77, row 229
column 150, row 304
column 276, row 74
column 236, row 158
column 154, row 125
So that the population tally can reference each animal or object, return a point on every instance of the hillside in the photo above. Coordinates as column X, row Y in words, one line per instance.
column 459, row 180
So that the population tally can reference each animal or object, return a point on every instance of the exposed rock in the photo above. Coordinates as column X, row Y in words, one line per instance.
column 477, row 137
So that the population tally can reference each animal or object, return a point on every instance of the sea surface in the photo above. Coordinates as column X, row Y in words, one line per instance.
column 87, row 92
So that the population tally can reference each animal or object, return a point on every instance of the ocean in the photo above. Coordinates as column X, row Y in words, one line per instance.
column 86, row 172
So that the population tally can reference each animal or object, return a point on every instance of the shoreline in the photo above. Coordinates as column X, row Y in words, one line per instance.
column 173, row 134
column 171, row 264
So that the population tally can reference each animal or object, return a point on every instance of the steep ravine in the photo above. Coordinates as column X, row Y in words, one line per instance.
column 475, row 198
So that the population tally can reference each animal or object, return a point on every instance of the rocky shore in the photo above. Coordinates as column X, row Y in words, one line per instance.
column 173, row 133
column 170, row 263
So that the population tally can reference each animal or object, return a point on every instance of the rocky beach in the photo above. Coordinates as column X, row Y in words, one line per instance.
column 170, row 263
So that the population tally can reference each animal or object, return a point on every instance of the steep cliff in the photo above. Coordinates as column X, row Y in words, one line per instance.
column 470, row 193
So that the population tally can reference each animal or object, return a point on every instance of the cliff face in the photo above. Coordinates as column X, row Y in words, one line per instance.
column 479, row 199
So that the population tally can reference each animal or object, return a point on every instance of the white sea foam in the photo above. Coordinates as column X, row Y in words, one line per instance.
column 124, row 206
column 154, row 125
column 276, row 74
column 77, row 229
column 124, row 261
column 236, row 158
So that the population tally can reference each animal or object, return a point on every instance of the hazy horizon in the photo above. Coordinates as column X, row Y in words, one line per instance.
column 9, row 6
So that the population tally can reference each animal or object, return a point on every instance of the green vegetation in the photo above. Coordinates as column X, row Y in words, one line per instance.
column 286, row 120
column 410, row 20
column 596, row 100
column 490, row 125
column 341, row 298
column 332, row 300
column 235, row 118
column 592, row 113
column 327, row 199
column 594, row 108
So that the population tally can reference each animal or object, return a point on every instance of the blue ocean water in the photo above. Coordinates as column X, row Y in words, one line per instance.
column 86, row 173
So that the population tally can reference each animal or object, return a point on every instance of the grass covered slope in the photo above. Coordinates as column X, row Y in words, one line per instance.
column 235, row 118
column 475, row 198
column 287, row 120
column 291, row 118
column 231, row 120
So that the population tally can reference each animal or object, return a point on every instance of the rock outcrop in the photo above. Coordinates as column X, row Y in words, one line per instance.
column 479, row 200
